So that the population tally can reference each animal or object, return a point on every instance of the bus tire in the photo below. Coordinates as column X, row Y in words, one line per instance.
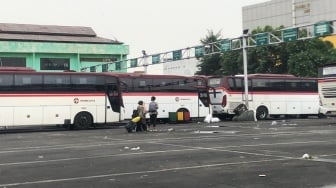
column 83, row 120
column 261, row 113
column 182, row 110
column 320, row 116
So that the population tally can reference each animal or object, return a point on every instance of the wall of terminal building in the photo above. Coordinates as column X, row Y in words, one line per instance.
column 186, row 67
column 51, row 56
column 289, row 13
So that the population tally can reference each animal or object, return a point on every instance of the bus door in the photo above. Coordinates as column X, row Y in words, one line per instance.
column 203, row 96
column 113, row 103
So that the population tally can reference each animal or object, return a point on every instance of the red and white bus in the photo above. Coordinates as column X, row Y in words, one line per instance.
column 173, row 93
column 268, row 94
column 327, row 89
column 80, row 100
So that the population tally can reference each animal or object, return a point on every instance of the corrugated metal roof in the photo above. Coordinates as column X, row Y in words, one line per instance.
column 50, row 33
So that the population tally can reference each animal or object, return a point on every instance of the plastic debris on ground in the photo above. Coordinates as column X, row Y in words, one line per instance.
column 210, row 119
column 306, row 156
column 135, row 149
column 132, row 148
column 171, row 129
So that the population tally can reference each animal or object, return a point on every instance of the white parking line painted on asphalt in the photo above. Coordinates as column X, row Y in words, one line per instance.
column 71, row 146
column 94, row 157
column 324, row 160
column 133, row 173
column 188, row 148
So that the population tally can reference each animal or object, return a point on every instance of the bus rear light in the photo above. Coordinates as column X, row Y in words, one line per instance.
column 224, row 101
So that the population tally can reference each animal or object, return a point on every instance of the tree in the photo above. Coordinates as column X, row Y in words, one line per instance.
column 300, row 58
column 232, row 63
column 305, row 57
column 210, row 63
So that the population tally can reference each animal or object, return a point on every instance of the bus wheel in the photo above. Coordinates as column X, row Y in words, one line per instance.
column 83, row 120
column 261, row 113
column 321, row 116
column 182, row 110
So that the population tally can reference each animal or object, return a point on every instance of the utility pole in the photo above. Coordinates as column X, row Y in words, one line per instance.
column 244, row 37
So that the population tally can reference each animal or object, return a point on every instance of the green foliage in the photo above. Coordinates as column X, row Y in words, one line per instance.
column 306, row 56
column 300, row 58
column 210, row 64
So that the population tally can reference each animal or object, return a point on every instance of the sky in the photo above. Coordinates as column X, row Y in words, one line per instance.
column 156, row 26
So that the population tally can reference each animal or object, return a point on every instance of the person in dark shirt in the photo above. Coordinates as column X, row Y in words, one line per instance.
column 153, row 112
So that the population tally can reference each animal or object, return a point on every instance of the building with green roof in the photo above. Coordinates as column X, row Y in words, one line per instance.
column 59, row 48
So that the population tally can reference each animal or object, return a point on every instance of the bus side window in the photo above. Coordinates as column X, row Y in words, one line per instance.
column 189, row 84
column 277, row 85
column 56, row 82
column 87, row 83
column 238, row 84
column 142, row 84
column 157, row 85
column 6, row 82
column 293, row 85
column 174, row 84
column 260, row 84
column 28, row 82
column 308, row 85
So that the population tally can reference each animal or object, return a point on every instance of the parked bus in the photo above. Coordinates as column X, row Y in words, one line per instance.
column 173, row 93
column 268, row 94
column 80, row 100
column 327, row 89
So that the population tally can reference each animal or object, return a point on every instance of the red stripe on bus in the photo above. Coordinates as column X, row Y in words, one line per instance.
column 159, row 94
column 264, row 92
column 327, row 80
column 274, row 93
column 50, row 94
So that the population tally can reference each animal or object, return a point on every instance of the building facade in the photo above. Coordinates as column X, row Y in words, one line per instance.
column 288, row 13
column 185, row 67
column 58, row 48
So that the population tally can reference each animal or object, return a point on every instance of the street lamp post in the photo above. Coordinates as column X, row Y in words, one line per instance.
column 244, row 37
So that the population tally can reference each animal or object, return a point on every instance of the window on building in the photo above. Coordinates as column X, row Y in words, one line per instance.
column 12, row 61
column 105, row 68
column 92, row 69
column 55, row 64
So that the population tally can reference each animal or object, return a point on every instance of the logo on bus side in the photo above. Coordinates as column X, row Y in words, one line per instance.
column 177, row 99
column 76, row 100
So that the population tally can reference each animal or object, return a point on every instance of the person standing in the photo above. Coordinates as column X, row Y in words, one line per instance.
column 142, row 114
column 153, row 112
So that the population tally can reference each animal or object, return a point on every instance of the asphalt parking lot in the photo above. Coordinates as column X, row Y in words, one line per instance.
column 225, row 154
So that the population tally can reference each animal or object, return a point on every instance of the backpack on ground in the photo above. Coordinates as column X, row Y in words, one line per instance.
column 130, row 126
